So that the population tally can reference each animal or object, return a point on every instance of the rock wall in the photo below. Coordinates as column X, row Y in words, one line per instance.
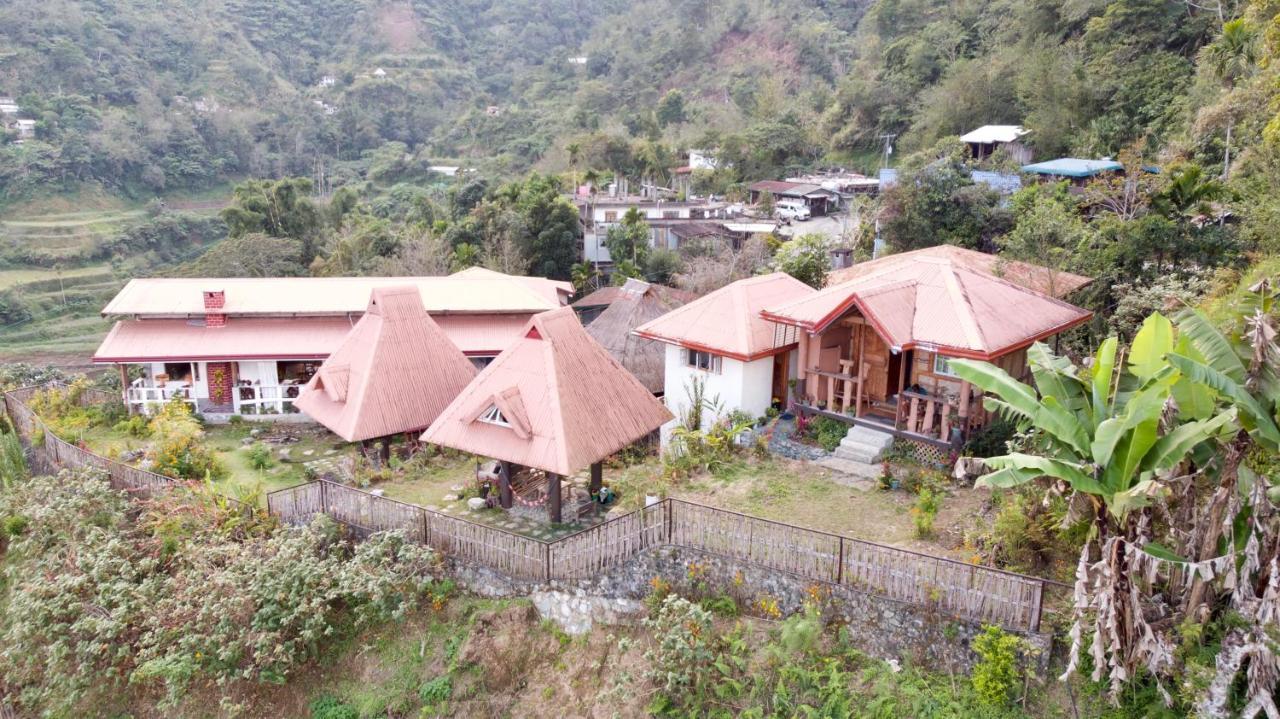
column 880, row 627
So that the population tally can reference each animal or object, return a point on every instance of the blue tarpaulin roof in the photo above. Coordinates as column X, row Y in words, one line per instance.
column 1072, row 167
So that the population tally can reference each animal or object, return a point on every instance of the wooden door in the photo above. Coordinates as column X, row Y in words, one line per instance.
column 780, row 367
column 876, row 354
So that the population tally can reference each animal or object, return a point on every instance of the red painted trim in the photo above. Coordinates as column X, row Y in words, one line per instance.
column 715, row 350
column 224, row 358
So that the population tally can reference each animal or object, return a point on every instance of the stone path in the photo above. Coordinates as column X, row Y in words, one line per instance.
column 330, row 467
column 842, row 472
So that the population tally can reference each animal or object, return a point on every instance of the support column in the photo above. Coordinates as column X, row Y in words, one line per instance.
column 124, row 387
column 802, row 371
column 811, row 362
column 597, row 479
column 385, row 453
column 554, row 512
column 504, row 485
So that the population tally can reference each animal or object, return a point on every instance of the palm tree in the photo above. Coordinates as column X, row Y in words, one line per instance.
column 574, row 150
column 1232, row 56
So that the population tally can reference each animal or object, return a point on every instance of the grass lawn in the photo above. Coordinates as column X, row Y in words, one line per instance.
column 783, row 490
column 10, row 278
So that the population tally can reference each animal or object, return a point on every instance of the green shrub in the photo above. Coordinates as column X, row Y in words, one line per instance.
column 178, row 449
column 828, row 432
column 925, row 511
column 259, row 456
column 135, row 426
column 995, row 676
column 15, row 525
column 330, row 707
column 437, row 690
column 13, row 460
column 991, row 440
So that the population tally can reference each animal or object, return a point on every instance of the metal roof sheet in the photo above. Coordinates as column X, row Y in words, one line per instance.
column 567, row 403
column 1072, row 167
column 988, row 134
column 728, row 320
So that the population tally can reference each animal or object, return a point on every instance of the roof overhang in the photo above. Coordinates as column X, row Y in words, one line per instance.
column 715, row 350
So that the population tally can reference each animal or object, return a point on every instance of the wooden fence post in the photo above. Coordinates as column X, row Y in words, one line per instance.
column 1036, row 598
column 840, row 564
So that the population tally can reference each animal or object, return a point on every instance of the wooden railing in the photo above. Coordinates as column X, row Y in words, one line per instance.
column 963, row 590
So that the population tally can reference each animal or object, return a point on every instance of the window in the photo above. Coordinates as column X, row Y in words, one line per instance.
column 611, row 216
column 670, row 214
column 493, row 415
column 703, row 361
column 178, row 371
column 295, row 372
column 942, row 366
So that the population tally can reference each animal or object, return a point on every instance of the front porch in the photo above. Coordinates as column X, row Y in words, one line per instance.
column 260, row 388
column 850, row 373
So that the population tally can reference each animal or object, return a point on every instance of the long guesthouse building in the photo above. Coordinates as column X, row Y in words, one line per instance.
column 247, row 346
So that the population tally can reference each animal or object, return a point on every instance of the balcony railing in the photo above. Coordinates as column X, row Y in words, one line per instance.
column 266, row 399
column 147, row 397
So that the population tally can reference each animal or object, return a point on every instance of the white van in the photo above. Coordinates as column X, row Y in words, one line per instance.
column 791, row 210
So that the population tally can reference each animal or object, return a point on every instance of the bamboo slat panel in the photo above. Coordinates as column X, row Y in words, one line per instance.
column 512, row 554
column 799, row 551
column 607, row 545
column 369, row 513
column 297, row 505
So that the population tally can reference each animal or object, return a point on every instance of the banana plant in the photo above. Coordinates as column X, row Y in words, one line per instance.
column 1109, row 431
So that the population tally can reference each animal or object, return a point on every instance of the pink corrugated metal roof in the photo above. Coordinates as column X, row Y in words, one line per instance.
column 565, row 402
column 394, row 372
column 728, row 320
column 935, row 303
column 1041, row 279
column 158, row 340
column 241, row 338
column 477, row 292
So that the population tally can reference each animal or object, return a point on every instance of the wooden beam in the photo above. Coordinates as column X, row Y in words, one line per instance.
column 554, row 508
column 504, row 485
column 597, row 478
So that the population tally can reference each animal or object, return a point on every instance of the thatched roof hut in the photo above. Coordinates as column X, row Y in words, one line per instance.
column 636, row 303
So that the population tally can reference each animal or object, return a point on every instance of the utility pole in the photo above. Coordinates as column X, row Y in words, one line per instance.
column 888, row 148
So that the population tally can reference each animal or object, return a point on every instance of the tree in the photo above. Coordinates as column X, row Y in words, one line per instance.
column 278, row 208
column 936, row 202
column 1115, row 437
column 1231, row 57
column 806, row 258
column 1047, row 230
column 671, row 108
column 251, row 255
column 629, row 240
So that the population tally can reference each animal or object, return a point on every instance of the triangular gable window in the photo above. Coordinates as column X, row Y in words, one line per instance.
column 493, row 415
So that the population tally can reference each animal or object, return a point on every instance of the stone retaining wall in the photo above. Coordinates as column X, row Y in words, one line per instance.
column 880, row 627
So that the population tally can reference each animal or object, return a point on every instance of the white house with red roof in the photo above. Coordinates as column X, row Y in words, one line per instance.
column 742, row 360
column 247, row 346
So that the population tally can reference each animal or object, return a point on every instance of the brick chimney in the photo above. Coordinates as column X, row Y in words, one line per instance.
column 214, row 301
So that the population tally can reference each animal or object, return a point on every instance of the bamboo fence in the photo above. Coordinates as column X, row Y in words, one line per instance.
column 954, row 588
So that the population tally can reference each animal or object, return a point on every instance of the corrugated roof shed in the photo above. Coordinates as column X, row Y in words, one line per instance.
column 1072, row 167
column 727, row 321
column 394, row 372
column 989, row 134
column 555, row 400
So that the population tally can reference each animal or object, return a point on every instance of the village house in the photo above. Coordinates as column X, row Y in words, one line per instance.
column 1074, row 170
column 874, row 344
column 819, row 201
column 8, row 106
column 26, row 129
column 599, row 213
column 845, row 184
column 722, row 342
column 593, row 304
column 986, row 140
column 248, row 345
column 327, row 81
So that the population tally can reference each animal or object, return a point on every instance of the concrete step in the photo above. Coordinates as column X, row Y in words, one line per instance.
column 858, row 452
column 870, row 437
column 858, row 470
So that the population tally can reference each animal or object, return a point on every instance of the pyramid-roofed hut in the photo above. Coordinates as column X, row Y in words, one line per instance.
column 554, row 401
column 395, row 371
column 637, row 303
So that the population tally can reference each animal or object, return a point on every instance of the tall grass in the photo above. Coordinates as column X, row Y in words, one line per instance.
column 13, row 461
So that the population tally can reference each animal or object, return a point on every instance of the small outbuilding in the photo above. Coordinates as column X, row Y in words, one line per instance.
column 394, row 373
column 984, row 141
column 551, row 405
column 637, row 303
column 1075, row 170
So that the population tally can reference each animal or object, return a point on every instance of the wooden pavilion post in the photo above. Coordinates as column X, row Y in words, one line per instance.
column 802, row 372
column 504, row 485
column 553, row 498
column 597, row 479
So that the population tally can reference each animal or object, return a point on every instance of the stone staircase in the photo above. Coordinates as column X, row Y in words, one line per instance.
column 860, row 453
